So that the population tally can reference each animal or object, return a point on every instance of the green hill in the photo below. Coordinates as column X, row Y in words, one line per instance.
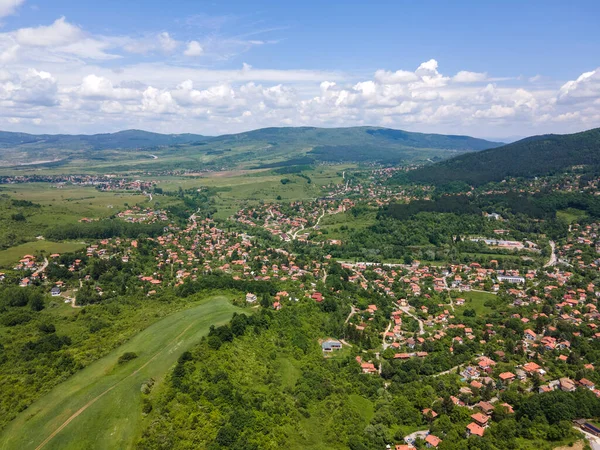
column 368, row 144
column 127, row 139
column 258, row 148
column 530, row 157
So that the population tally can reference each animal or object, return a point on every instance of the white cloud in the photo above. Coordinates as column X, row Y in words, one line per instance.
column 193, row 49
column 465, row 76
column 34, row 88
column 586, row 87
column 495, row 112
column 398, row 77
column 167, row 43
column 8, row 7
column 73, row 79
column 59, row 33
column 95, row 87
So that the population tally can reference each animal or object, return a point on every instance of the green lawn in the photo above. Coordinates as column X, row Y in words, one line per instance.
column 571, row 215
column 474, row 300
column 12, row 255
column 107, row 395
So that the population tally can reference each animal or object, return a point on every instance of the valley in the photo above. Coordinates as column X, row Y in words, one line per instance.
column 246, row 306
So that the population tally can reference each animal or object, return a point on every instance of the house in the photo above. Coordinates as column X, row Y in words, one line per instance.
column 404, row 447
column 330, row 345
column 529, row 335
column 532, row 368
column 480, row 419
column 429, row 413
column 474, row 429
column 507, row 377
column 251, row 298
column 567, row 385
column 511, row 279
column 368, row 368
column 485, row 407
column 317, row 296
column 55, row 292
column 432, row 441
column 587, row 384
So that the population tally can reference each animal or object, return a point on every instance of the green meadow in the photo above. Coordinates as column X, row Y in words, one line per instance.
column 101, row 406
column 475, row 301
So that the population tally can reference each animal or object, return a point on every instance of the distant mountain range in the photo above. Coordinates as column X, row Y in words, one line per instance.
column 530, row 157
column 268, row 146
column 127, row 139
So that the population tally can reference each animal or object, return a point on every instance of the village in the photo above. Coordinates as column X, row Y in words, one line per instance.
column 417, row 316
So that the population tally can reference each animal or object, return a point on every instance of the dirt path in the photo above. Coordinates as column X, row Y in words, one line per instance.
column 41, row 269
column 446, row 372
column 421, row 327
column 384, row 344
column 94, row 400
column 552, row 261
column 319, row 219
column 352, row 312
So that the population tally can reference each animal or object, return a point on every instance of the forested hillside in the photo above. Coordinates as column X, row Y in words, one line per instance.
column 531, row 157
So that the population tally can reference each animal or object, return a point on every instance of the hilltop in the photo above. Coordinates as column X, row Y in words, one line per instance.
column 528, row 158
column 257, row 148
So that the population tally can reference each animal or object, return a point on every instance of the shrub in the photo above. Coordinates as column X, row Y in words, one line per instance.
column 127, row 356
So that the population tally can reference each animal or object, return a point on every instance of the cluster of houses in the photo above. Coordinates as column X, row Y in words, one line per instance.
column 146, row 215
column 294, row 221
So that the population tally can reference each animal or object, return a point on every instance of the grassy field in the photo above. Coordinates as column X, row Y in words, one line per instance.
column 100, row 406
column 571, row 215
column 332, row 224
column 53, row 207
column 475, row 301
column 79, row 201
column 236, row 188
column 12, row 255
column 312, row 429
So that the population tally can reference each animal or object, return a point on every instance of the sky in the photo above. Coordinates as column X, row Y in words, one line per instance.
column 497, row 70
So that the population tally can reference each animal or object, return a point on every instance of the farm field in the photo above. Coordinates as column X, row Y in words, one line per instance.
column 84, row 200
column 53, row 207
column 101, row 406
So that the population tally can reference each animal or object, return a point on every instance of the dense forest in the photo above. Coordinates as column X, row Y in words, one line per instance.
column 534, row 156
column 261, row 382
column 104, row 229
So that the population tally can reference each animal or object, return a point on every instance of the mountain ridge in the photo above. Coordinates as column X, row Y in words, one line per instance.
column 530, row 157
column 260, row 146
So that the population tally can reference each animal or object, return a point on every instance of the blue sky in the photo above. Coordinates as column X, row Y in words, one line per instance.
column 212, row 67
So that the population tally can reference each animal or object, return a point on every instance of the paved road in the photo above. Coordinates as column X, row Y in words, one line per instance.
column 593, row 440
column 417, row 434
